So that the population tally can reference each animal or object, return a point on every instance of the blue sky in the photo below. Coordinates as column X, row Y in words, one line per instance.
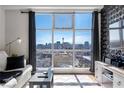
column 82, row 21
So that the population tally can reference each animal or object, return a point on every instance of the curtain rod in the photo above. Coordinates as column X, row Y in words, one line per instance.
column 25, row 12
column 57, row 12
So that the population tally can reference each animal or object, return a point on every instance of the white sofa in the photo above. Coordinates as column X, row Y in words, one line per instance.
column 20, row 80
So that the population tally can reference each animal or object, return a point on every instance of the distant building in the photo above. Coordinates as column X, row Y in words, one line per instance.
column 86, row 45
column 57, row 45
column 40, row 46
column 49, row 45
column 67, row 45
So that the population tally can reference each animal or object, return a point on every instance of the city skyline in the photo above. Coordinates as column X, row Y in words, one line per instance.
column 64, row 45
column 46, row 37
column 60, row 43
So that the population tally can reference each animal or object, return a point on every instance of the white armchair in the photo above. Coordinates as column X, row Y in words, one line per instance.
column 3, row 60
column 21, row 80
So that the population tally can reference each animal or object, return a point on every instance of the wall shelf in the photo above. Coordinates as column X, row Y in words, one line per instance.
column 107, row 77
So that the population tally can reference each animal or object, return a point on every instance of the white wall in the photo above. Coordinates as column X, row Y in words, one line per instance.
column 2, row 29
column 16, row 25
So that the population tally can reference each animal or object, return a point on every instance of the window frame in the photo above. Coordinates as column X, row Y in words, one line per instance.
column 73, row 38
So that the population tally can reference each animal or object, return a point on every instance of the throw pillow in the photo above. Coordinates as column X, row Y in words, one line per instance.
column 15, row 62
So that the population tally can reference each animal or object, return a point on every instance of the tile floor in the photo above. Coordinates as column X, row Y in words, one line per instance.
column 73, row 81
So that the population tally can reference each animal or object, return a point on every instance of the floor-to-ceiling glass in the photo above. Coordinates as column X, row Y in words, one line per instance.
column 63, row 40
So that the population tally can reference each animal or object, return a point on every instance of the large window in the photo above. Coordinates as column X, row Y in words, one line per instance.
column 63, row 40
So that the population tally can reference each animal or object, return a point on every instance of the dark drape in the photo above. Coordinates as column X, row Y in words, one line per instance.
column 95, row 39
column 32, row 40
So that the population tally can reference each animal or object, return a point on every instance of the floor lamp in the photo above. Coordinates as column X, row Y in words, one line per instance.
column 18, row 40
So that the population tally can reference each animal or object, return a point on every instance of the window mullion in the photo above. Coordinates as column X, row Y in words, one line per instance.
column 53, row 21
column 121, row 33
column 73, row 26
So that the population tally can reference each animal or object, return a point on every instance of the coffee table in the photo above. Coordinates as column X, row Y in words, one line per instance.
column 41, row 79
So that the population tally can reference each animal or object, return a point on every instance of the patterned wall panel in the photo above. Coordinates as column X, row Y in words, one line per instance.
column 104, row 33
column 109, row 14
column 115, row 13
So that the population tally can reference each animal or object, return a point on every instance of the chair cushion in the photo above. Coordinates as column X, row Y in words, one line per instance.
column 15, row 62
column 3, row 60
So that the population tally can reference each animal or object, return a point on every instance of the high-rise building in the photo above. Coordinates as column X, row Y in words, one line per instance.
column 62, row 43
column 86, row 45
column 58, row 45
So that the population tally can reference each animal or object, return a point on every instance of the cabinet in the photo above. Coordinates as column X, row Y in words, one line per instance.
column 115, row 79
column 98, row 72
column 118, row 81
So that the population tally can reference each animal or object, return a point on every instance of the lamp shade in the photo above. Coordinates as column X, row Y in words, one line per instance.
column 19, row 40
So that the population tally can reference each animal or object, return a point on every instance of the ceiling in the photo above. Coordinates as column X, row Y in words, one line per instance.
column 52, row 7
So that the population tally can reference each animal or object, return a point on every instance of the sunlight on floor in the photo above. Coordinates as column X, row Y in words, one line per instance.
column 73, row 81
